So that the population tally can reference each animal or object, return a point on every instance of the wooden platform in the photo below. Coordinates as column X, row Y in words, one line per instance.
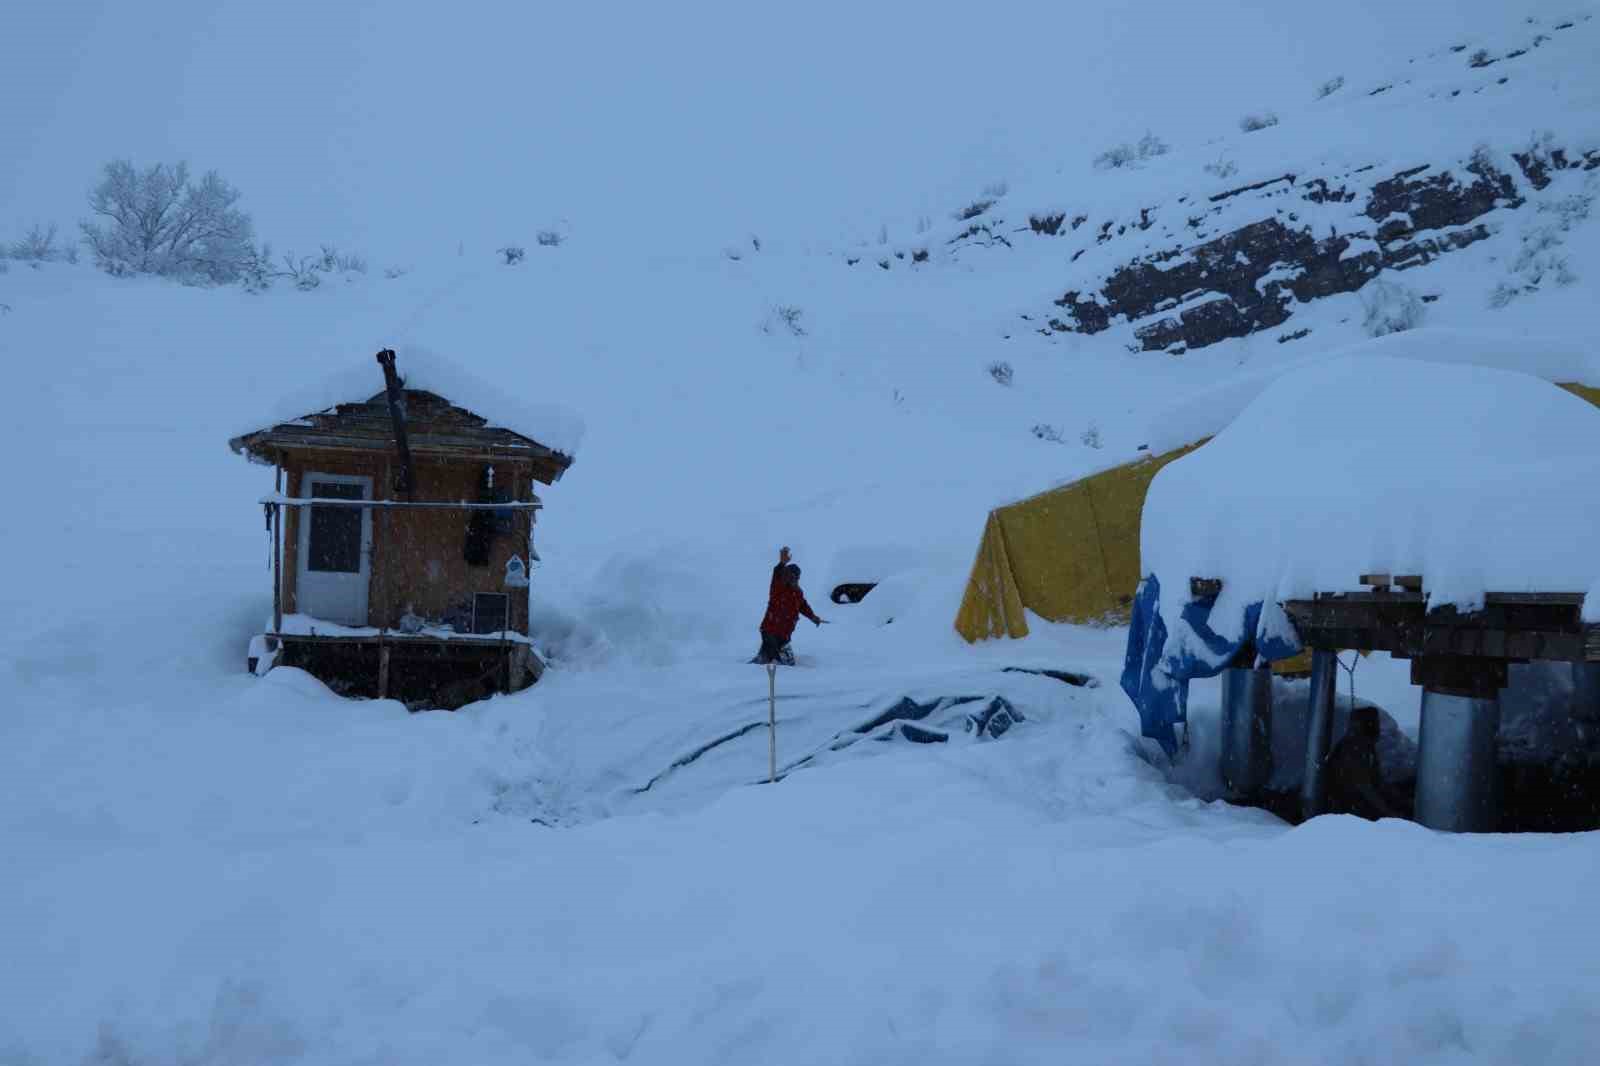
column 1514, row 626
column 421, row 671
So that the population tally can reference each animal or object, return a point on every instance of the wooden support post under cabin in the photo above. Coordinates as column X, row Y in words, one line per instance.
column 383, row 669
column 380, row 546
column 277, row 548
column 277, row 568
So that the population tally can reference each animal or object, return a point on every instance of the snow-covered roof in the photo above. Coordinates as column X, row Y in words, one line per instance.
column 502, row 404
column 1205, row 413
column 1478, row 479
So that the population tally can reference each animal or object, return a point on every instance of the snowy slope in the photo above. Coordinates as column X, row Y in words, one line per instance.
column 214, row 868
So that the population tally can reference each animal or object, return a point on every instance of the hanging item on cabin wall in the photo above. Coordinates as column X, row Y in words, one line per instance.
column 480, row 526
column 516, row 573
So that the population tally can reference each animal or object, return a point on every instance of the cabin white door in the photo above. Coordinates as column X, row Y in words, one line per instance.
column 335, row 556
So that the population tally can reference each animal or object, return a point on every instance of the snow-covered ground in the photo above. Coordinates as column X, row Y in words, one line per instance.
column 205, row 867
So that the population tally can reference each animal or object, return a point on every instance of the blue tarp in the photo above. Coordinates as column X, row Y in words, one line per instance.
column 1156, row 672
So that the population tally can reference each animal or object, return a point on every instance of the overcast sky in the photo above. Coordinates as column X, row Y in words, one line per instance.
column 404, row 128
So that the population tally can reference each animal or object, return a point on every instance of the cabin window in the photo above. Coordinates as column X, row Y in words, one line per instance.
column 335, row 545
column 505, row 519
column 491, row 612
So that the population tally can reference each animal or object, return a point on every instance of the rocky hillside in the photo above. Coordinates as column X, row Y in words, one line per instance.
column 1360, row 192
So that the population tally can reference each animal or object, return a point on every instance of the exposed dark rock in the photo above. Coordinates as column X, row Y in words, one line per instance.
column 1048, row 225
column 1090, row 316
column 1221, row 196
column 1537, row 167
column 1250, row 278
column 1321, row 193
column 1285, row 338
column 982, row 231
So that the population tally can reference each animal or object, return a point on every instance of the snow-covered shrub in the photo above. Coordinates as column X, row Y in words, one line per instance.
column 1125, row 155
column 1116, row 157
column 1480, row 58
column 37, row 245
column 1001, row 372
column 996, row 189
column 513, row 253
column 1568, row 211
column 1150, row 146
column 1502, row 294
column 1090, row 437
column 333, row 261
column 1329, row 87
column 256, row 274
column 1222, row 168
column 304, row 273
column 1390, row 308
column 549, row 238
column 785, row 317
column 1251, row 123
column 1045, row 431
column 1541, row 259
column 158, row 221
column 924, row 223
column 391, row 273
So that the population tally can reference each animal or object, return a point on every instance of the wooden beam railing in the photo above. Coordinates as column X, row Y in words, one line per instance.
column 277, row 500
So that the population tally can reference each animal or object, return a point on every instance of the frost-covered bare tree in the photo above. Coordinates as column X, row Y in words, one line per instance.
column 38, row 245
column 158, row 221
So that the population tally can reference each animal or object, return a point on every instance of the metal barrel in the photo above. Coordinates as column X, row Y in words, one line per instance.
column 1246, row 754
column 1456, row 789
column 1319, row 731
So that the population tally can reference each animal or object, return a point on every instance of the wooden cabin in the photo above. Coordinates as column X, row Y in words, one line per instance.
column 402, row 535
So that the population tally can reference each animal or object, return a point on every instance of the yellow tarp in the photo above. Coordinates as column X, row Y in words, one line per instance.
column 1072, row 554
column 1068, row 555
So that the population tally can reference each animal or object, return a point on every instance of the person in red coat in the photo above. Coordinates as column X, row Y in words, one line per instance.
column 785, row 604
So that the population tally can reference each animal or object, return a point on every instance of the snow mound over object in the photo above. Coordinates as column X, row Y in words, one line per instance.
column 500, row 402
column 1555, row 359
column 1478, row 479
